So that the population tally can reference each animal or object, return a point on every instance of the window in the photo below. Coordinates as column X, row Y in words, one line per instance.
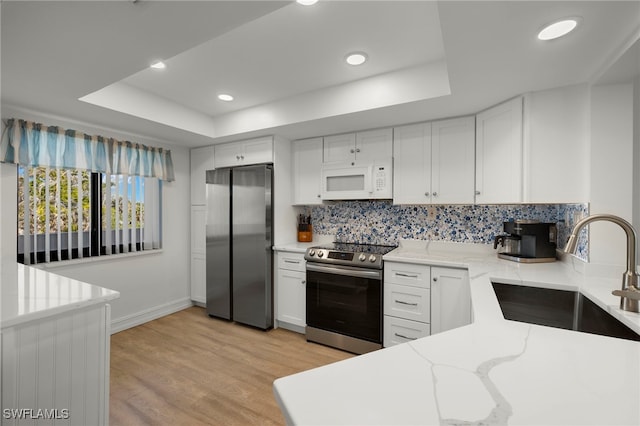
column 83, row 195
column 68, row 214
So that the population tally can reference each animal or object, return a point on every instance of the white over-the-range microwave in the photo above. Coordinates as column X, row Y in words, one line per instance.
column 354, row 181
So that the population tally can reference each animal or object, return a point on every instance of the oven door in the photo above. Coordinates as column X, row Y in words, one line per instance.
column 345, row 300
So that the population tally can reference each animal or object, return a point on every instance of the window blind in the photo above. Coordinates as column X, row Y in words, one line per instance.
column 72, row 214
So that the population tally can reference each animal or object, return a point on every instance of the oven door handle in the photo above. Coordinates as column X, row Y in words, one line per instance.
column 345, row 270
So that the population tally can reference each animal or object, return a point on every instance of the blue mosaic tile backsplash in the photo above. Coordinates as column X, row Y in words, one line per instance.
column 380, row 222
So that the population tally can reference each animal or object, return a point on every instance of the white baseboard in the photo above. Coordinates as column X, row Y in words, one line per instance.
column 290, row 327
column 150, row 314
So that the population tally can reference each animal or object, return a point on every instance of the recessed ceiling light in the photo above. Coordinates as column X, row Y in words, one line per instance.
column 225, row 97
column 558, row 29
column 158, row 65
column 356, row 58
column 307, row 2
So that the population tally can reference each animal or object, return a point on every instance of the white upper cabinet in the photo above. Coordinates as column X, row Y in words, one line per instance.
column 201, row 161
column 361, row 146
column 412, row 164
column 434, row 162
column 307, row 164
column 499, row 153
column 374, row 144
column 253, row 151
column 339, row 148
column 453, row 161
column 556, row 145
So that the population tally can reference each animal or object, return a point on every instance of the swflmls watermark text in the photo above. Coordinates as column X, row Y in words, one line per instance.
column 36, row 413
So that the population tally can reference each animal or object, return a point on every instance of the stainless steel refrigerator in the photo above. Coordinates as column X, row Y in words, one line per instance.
column 239, row 239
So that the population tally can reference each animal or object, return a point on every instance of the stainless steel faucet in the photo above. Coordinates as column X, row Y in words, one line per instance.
column 630, row 293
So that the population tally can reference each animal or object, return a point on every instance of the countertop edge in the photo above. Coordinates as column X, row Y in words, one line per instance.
column 32, row 294
column 73, row 306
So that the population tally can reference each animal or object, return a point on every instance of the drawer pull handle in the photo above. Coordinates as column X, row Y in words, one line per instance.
column 406, row 303
column 291, row 261
column 401, row 274
column 405, row 337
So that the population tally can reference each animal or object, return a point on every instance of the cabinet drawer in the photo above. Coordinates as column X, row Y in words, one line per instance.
column 407, row 302
column 407, row 274
column 291, row 261
column 398, row 330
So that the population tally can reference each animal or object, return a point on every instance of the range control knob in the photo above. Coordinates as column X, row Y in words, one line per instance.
column 320, row 253
column 372, row 258
column 362, row 257
column 312, row 252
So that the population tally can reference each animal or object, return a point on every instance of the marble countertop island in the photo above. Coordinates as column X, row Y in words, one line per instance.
column 493, row 371
column 29, row 294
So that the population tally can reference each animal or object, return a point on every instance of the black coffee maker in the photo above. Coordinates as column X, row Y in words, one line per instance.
column 527, row 241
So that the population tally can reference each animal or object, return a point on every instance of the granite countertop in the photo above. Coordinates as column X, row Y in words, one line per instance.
column 493, row 371
column 29, row 294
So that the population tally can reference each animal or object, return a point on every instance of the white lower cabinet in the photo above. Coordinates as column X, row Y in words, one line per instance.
column 420, row 300
column 452, row 296
column 403, row 301
column 399, row 330
column 199, row 278
column 198, row 254
column 407, row 302
column 291, row 291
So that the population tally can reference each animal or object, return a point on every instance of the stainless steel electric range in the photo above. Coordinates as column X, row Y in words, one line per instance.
column 344, row 295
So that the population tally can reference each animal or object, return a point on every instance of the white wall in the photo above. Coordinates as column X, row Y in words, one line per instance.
column 612, row 122
column 150, row 285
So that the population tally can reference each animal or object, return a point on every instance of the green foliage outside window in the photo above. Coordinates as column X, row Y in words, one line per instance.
column 66, row 210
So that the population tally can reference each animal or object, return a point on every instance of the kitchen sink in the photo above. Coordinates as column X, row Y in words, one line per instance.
column 558, row 308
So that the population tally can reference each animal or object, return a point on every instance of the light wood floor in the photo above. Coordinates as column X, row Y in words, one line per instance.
column 190, row 369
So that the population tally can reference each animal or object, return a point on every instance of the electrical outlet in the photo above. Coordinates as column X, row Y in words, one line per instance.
column 577, row 217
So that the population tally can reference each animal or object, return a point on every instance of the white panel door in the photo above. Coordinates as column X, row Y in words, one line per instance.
column 201, row 161
column 291, row 297
column 412, row 164
column 198, row 229
column 557, row 130
column 374, row 145
column 450, row 299
column 499, row 154
column 257, row 151
column 227, row 155
column 199, row 278
column 198, row 254
column 307, row 171
column 453, row 161
column 339, row 148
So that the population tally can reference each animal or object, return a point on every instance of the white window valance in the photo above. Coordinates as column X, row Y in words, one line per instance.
column 34, row 144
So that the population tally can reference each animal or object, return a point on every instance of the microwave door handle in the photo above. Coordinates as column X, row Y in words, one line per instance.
column 370, row 184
